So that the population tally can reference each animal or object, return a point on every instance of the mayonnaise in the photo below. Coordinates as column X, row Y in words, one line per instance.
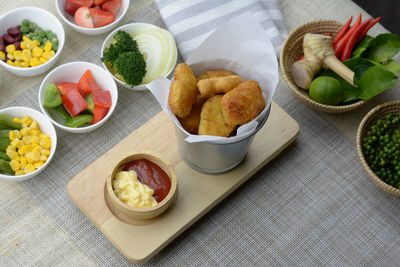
column 131, row 191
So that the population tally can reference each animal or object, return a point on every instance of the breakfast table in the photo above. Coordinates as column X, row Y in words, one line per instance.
column 312, row 205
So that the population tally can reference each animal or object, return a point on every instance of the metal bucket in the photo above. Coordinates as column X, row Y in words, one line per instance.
column 209, row 157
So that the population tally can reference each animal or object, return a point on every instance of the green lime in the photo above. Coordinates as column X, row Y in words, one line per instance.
column 326, row 90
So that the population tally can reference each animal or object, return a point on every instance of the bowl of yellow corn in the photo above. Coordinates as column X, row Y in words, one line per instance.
column 30, row 56
column 28, row 142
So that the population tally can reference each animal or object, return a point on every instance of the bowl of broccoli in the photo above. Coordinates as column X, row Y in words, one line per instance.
column 135, row 54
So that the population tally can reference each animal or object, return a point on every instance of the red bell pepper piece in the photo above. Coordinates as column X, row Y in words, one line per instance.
column 353, row 40
column 88, row 84
column 65, row 87
column 102, row 98
column 74, row 102
column 342, row 31
column 98, row 114
column 342, row 42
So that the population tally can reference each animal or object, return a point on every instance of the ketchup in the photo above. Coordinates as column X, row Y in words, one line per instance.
column 151, row 175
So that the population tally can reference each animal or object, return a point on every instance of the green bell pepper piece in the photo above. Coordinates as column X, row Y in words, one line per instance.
column 79, row 120
column 4, row 143
column 7, row 121
column 52, row 97
column 5, row 167
column 89, row 101
column 4, row 133
column 4, row 156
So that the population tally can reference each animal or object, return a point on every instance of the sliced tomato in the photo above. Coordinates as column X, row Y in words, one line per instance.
column 88, row 84
column 98, row 114
column 65, row 87
column 74, row 102
column 102, row 98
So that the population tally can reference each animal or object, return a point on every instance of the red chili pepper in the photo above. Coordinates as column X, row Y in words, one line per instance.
column 342, row 42
column 353, row 40
column 370, row 25
column 342, row 31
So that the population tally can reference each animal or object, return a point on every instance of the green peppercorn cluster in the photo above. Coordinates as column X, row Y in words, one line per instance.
column 381, row 148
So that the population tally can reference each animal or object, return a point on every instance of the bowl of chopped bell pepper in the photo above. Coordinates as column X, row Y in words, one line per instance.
column 78, row 97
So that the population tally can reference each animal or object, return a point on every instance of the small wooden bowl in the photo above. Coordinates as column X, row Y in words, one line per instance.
column 291, row 51
column 370, row 119
column 148, row 212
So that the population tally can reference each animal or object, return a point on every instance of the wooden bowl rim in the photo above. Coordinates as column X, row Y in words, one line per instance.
column 370, row 116
column 296, row 90
column 146, row 154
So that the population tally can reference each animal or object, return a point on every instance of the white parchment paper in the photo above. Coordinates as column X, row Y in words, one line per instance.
column 241, row 46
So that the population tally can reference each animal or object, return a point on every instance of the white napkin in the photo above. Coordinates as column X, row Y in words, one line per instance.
column 192, row 21
column 250, row 55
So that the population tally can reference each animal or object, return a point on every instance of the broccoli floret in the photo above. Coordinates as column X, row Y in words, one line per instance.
column 131, row 67
column 124, row 43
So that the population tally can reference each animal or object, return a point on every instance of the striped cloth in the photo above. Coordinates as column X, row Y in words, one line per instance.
column 192, row 21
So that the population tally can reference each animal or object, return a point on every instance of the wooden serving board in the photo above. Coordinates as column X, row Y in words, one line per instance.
column 198, row 192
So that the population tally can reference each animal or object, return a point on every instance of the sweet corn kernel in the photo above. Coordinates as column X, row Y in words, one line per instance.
column 38, row 164
column 45, row 143
column 32, row 44
column 10, row 148
column 18, row 55
column 18, row 64
column 27, row 139
column 10, row 48
column 17, row 120
column 2, row 56
column 10, row 56
column 47, row 55
column 26, row 120
column 10, row 62
column 24, row 162
column 15, row 166
column 22, row 150
column 29, row 168
column 34, row 125
column 16, row 143
column 52, row 53
column 23, row 45
column 26, row 38
column 37, row 52
column 34, row 62
column 43, row 158
column 25, row 131
column 42, row 60
column 36, row 147
column 11, row 135
column 47, row 47
column 24, row 64
column 36, row 43
column 12, row 154
column 35, row 140
column 33, row 156
column 45, row 152
column 35, row 132
column 20, row 172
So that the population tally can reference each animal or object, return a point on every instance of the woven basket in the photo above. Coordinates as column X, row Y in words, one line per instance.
column 370, row 119
column 293, row 48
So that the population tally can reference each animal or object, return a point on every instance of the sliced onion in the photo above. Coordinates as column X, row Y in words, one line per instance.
column 159, row 50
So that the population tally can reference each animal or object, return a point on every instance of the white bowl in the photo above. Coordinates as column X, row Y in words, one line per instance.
column 45, row 127
column 132, row 29
column 91, row 31
column 45, row 20
column 72, row 72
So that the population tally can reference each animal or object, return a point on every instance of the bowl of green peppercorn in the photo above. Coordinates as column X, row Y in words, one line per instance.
column 378, row 146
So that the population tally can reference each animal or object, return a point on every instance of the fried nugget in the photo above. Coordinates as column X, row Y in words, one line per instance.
column 183, row 91
column 212, row 120
column 191, row 122
column 214, row 73
column 214, row 85
column 242, row 104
